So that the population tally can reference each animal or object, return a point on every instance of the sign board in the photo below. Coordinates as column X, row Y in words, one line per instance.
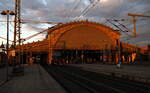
column 1, row 50
column 13, row 53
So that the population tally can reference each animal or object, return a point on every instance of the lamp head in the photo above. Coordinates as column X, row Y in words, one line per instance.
column 11, row 13
column 3, row 13
column 7, row 12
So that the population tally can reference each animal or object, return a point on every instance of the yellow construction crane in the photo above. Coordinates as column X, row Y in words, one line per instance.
column 134, row 20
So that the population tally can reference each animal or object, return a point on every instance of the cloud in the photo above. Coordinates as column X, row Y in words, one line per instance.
column 69, row 10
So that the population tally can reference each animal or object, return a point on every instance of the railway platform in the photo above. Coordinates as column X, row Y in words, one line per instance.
column 134, row 72
column 2, row 75
column 34, row 80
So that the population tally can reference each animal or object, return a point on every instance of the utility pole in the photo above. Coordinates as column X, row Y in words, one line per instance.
column 17, row 34
column 134, row 20
column 17, row 21
column 134, row 25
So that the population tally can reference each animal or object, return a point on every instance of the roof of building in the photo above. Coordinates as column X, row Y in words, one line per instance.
column 80, row 22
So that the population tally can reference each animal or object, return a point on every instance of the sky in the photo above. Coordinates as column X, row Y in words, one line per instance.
column 72, row 10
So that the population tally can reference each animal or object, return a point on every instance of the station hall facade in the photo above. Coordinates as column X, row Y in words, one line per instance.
column 79, row 42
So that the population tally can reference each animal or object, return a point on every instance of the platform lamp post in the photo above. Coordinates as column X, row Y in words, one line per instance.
column 7, row 13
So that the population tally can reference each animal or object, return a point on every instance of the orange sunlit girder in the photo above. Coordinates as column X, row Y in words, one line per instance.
column 139, row 15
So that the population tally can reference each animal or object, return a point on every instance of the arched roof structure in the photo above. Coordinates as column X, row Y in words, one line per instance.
column 82, row 35
column 68, row 35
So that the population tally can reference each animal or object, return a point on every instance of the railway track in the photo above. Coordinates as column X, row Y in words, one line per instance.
column 76, row 80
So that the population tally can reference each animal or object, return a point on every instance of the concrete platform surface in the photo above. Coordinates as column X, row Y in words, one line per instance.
column 3, row 74
column 134, row 72
column 35, row 80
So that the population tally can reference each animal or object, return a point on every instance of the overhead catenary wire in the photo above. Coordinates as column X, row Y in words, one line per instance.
column 6, row 39
column 76, row 6
column 26, row 22
column 114, row 25
column 118, row 27
column 85, row 11
column 126, row 29
column 92, row 6
column 33, row 22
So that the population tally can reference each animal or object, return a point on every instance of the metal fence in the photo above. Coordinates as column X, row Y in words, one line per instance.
column 5, row 69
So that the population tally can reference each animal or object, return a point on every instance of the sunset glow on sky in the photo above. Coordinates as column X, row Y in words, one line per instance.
column 70, row 10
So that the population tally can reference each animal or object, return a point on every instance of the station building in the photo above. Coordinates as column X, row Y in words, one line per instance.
column 79, row 42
